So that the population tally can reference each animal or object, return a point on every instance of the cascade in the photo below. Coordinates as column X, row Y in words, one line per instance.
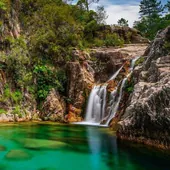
column 116, row 102
column 117, row 72
column 97, row 110
column 96, row 104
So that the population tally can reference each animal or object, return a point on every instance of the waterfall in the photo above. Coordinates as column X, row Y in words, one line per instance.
column 133, row 63
column 98, row 111
column 96, row 104
column 117, row 72
column 116, row 102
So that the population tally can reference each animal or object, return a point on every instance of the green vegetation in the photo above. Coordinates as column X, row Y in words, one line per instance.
column 15, row 97
column 2, row 5
column 36, row 61
column 48, row 78
column 123, row 22
column 139, row 61
column 113, row 40
column 167, row 46
column 2, row 111
column 129, row 86
column 153, row 17
column 51, row 29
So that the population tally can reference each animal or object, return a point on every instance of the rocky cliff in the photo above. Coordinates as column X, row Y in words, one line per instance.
column 147, row 116
column 46, row 77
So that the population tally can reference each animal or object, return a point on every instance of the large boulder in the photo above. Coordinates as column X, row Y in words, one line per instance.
column 54, row 107
column 147, row 117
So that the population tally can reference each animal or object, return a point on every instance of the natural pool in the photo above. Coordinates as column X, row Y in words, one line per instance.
column 35, row 146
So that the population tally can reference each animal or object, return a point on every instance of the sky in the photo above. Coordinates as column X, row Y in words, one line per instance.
column 117, row 9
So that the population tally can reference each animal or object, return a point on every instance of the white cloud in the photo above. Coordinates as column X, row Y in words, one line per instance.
column 115, row 12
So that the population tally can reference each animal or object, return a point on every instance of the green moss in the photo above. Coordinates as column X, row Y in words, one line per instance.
column 139, row 61
column 167, row 46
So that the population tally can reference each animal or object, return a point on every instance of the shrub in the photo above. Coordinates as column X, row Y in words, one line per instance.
column 17, row 110
column 14, row 96
column 48, row 78
column 113, row 40
column 129, row 86
column 2, row 111
column 98, row 42
column 16, row 62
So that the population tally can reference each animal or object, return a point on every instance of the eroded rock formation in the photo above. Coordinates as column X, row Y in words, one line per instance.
column 147, row 117
column 107, row 61
column 54, row 107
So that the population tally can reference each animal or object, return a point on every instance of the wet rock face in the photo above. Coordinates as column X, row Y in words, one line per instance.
column 81, row 80
column 147, row 117
column 54, row 107
column 106, row 61
column 98, row 67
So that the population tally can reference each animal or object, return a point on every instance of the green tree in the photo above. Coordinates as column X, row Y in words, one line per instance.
column 85, row 4
column 151, row 19
column 101, row 15
column 167, row 6
column 122, row 22
column 150, row 8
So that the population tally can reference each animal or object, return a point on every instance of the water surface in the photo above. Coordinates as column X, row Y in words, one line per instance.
column 33, row 146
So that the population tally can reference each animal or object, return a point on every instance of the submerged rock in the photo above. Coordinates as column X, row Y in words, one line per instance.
column 18, row 155
column 37, row 144
column 2, row 148
column 147, row 117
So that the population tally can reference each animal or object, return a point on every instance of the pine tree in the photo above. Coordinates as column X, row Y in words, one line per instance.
column 151, row 19
column 167, row 6
column 149, row 8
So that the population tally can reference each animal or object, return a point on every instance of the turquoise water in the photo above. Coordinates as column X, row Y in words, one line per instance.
column 33, row 146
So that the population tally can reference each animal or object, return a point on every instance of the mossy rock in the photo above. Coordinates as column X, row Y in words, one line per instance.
column 38, row 144
column 2, row 148
column 18, row 155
